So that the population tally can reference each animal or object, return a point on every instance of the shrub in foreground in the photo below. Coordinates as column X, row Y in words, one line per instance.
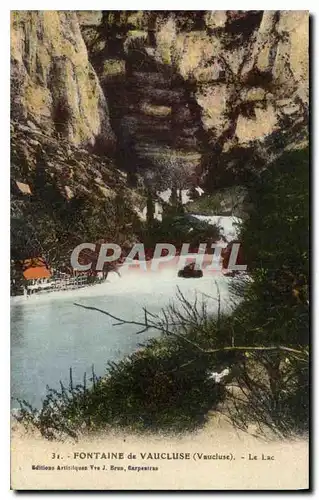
column 164, row 386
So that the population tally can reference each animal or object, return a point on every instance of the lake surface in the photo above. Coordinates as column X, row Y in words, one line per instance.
column 49, row 334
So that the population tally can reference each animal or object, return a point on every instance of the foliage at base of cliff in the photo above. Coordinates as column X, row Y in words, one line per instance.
column 75, row 197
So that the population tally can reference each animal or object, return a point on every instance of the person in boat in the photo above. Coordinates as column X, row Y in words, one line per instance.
column 189, row 271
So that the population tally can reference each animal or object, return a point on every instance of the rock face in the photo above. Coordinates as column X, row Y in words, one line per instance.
column 179, row 97
column 53, row 82
column 74, row 172
column 219, row 93
column 63, row 195
column 197, row 95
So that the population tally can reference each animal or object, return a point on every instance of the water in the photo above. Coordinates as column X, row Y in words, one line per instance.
column 229, row 226
column 49, row 334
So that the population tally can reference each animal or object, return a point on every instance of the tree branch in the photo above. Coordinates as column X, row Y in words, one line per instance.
column 158, row 326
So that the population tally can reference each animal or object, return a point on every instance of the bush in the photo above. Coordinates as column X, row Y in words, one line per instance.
column 276, row 246
column 165, row 386
column 275, row 309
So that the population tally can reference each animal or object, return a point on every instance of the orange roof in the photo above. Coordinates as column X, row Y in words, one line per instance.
column 35, row 269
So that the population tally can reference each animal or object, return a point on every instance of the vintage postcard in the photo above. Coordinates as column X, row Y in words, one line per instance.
column 159, row 250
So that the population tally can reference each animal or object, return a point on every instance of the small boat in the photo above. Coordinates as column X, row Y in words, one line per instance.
column 189, row 271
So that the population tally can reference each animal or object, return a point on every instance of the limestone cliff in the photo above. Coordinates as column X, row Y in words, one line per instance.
column 65, row 185
column 220, row 92
column 53, row 82
column 205, row 94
